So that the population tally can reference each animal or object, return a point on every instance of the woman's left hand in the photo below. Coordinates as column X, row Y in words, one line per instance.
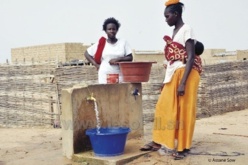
column 181, row 90
column 114, row 61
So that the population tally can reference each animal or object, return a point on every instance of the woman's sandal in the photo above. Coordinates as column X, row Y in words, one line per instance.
column 152, row 146
column 178, row 155
column 186, row 151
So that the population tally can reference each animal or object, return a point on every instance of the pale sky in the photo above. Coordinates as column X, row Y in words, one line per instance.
column 217, row 23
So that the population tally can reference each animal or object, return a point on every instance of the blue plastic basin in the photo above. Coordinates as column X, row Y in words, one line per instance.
column 109, row 142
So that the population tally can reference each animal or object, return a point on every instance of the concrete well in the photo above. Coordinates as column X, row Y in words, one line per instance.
column 117, row 106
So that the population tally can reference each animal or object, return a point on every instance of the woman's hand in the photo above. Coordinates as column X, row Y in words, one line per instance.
column 91, row 60
column 165, row 66
column 97, row 66
column 181, row 90
column 114, row 61
column 161, row 87
column 190, row 49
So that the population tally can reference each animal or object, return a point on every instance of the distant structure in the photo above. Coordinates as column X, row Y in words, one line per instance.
column 209, row 56
column 61, row 52
column 156, row 55
column 66, row 52
column 221, row 55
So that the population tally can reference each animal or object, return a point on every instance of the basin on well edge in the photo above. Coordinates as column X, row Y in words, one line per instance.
column 135, row 72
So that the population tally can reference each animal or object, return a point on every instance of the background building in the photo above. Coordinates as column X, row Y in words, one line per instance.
column 67, row 52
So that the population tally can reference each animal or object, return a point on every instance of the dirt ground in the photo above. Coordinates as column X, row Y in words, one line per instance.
column 217, row 140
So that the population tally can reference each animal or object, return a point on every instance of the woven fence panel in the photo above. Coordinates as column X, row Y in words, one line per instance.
column 27, row 96
column 223, row 88
column 30, row 94
column 68, row 76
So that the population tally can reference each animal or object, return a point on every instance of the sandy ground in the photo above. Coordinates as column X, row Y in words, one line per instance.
column 217, row 140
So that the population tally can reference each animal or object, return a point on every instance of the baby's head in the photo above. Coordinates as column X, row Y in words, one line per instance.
column 199, row 48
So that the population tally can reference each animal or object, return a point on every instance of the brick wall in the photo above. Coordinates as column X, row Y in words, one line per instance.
column 62, row 52
column 242, row 54
column 40, row 53
column 65, row 52
column 75, row 51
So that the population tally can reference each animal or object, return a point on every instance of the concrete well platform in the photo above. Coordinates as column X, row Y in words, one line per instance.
column 131, row 152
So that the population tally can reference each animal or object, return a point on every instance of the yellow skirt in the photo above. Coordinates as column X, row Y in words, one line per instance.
column 175, row 115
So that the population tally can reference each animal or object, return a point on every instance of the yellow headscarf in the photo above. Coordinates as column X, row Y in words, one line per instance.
column 171, row 2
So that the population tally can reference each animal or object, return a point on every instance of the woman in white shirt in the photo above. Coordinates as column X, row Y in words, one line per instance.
column 114, row 50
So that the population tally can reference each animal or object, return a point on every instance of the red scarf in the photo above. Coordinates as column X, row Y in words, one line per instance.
column 100, row 47
column 175, row 51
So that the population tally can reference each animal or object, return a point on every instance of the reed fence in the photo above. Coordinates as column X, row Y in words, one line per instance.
column 30, row 92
